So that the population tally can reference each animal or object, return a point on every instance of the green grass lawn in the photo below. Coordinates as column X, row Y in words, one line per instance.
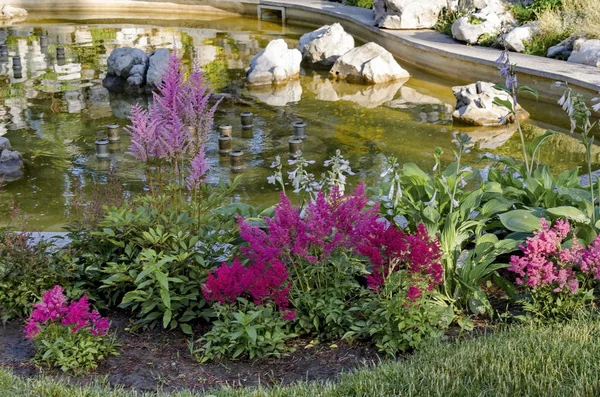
column 550, row 360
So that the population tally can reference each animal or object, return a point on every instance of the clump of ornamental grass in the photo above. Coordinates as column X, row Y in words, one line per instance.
column 68, row 335
column 579, row 17
column 557, row 272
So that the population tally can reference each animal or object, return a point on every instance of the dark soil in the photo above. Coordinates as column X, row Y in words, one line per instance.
column 160, row 359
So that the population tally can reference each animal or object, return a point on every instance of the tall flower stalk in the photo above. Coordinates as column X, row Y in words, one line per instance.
column 175, row 127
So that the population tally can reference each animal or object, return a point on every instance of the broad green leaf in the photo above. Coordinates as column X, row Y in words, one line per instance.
column 569, row 213
column 167, row 318
column 520, row 221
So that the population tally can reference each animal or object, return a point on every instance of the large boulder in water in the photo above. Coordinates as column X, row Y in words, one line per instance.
column 322, row 47
column 275, row 64
column 127, row 68
column 475, row 105
column 368, row 64
column 407, row 14
column 11, row 161
column 158, row 63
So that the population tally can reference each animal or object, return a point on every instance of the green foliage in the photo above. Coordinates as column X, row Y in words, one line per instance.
column 487, row 40
column 58, row 346
column 243, row 330
column 396, row 323
column 542, row 42
column 360, row 3
column 447, row 18
column 545, row 305
column 523, row 13
column 152, row 256
column 327, row 296
column 25, row 272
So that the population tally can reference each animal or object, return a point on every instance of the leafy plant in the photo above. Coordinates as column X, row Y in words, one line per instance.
column 243, row 330
column 69, row 336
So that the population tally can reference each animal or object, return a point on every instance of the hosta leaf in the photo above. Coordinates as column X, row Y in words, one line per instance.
column 520, row 221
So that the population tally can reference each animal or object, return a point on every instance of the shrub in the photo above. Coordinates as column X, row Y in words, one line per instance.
column 556, row 272
column 580, row 17
column 69, row 336
column 360, row 3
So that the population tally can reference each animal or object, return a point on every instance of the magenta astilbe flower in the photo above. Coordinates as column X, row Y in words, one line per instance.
column 414, row 293
column 144, row 131
column 54, row 309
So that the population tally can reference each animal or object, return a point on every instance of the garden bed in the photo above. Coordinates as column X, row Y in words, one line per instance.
column 153, row 360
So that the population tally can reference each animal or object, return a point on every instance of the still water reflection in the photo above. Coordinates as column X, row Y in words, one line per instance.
column 54, row 114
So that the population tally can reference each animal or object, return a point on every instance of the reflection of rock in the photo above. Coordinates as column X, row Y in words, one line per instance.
column 277, row 95
column 368, row 64
column 11, row 162
column 491, row 138
column 325, row 45
column 429, row 109
column 475, row 105
column 370, row 96
column 275, row 64
column 158, row 64
column 121, row 105
column 128, row 65
column 407, row 14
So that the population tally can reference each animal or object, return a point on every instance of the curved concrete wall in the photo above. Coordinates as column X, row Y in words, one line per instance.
column 429, row 50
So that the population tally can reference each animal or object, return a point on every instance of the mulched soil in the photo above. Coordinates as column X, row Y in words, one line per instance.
column 160, row 359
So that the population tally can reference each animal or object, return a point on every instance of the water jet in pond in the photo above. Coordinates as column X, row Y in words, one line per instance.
column 226, row 131
column 225, row 144
column 295, row 147
column 300, row 130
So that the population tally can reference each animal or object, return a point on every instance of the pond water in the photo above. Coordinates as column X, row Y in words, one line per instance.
column 53, row 115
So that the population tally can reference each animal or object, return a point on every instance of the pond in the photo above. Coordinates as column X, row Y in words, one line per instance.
column 56, row 112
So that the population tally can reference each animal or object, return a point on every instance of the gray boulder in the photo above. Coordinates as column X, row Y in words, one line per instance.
column 127, row 68
column 586, row 51
column 11, row 161
column 407, row 14
column 368, row 64
column 517, row 38
column 158, row 63
column 322, row 47
column 475, row 105
column 275, row 64
column 563, row 49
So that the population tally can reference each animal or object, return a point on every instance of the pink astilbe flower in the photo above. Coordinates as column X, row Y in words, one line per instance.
column 197, row 170
column 177, row 124
column 545, row 264
column 54, row 309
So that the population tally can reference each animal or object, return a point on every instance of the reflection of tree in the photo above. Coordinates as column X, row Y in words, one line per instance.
column 357, row 131
column 218, row 73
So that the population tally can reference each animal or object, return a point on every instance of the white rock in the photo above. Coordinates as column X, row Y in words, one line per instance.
column 275, row 64
column 586, row 52
column 123, row 59
column 487, row 20
column 325, row 45
column 407, row 14
column 368, row 64
column 10, row 12
column 564, row 49
column 517, row 38
column 475, row 105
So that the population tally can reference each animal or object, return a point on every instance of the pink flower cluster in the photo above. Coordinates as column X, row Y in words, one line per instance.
column 258, row 281
column 390, row 249
column 545, row 264
column 329, row 223
column 54, row 309
column 177, row 124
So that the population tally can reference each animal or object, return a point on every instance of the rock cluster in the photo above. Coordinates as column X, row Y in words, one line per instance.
column 132, row 71
column 11, row 161
column 327, row 47
column 475, row 105
column 407, row 14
